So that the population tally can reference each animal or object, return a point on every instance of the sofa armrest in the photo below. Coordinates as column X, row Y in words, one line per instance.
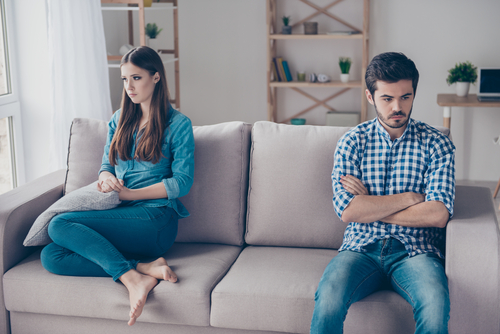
column 472, row 262
column 18, row 210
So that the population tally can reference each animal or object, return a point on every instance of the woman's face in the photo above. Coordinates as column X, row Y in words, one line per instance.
column 138, row 83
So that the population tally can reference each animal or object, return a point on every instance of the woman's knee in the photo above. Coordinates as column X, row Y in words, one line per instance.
column 56, row 225
column 50, row 258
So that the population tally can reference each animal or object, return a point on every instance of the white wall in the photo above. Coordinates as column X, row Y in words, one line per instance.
column 223, row 65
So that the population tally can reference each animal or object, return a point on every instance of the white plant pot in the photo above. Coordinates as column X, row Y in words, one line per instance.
column 153, row 43
column 344, row 77
column 462, row 88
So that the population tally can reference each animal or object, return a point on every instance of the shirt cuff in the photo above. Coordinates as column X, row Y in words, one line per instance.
column 172, row 188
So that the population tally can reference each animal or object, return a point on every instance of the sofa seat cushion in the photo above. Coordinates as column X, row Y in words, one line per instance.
column 273, row 288
column 187, row 302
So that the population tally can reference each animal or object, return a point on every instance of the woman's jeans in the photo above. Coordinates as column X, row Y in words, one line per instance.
column 351, row 276
column 109, row 242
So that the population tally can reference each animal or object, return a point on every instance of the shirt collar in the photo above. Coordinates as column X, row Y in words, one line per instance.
column 383, row 132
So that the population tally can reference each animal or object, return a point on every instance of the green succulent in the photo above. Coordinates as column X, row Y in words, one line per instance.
column 345, row 64
column 152, row 30
column 286, row 20
column 462, row 72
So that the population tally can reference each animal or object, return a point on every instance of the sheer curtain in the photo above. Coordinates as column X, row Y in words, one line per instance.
column 78, row 69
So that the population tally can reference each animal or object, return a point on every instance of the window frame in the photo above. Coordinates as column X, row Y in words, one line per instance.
column 9, row 103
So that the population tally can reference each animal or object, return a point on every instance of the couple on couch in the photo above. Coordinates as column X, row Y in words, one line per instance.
column 393, row 180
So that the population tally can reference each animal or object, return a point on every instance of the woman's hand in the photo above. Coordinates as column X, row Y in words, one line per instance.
column 353, row 185
column 108, row 182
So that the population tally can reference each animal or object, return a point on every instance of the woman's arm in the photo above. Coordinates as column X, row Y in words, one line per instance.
column 154, row 191
column 182, row 149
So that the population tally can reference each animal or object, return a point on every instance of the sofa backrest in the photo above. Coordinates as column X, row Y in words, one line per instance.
column 290, row 192
column 217, row 200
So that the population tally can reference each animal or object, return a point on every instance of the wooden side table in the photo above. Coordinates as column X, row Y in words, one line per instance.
column 452, row 100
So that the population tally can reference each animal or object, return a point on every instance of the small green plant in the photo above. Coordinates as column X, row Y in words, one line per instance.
column 345, row 64
column 286, row 20
column 152, row 30
column 462, row 72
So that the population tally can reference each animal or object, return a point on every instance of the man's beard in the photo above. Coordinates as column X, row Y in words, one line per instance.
column 398, row 113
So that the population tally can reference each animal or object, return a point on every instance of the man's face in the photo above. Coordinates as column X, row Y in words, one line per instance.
column 393, row 103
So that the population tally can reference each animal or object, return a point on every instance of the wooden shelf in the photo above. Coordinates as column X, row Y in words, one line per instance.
column 351, row 84
column 319, row 36
column 272, row 41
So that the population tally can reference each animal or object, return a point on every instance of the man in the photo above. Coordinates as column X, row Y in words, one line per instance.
column 394, row 183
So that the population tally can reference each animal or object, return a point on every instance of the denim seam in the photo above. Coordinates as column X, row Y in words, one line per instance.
column 366, row 278
column 409, row 296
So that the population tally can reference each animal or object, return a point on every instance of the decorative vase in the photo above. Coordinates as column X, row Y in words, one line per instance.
column 311, row 28
column 462, row 88
column 148, row 3
column 344, row 77
column 286, row 30
column 153, row 43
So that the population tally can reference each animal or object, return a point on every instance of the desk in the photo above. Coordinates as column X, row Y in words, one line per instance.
column 452, row 100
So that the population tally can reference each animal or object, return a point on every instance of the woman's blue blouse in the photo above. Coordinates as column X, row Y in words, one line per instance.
column 175, row 169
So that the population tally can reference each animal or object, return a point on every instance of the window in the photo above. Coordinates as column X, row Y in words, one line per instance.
column 11, row 164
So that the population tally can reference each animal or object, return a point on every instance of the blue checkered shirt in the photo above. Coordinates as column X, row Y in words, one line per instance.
column 421, row 161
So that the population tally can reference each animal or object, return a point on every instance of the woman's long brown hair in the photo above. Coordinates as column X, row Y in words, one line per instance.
column 149, row 145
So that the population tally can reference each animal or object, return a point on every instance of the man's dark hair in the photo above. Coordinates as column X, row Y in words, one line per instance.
column 390, row 67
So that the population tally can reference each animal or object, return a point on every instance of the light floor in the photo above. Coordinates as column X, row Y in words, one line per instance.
column 487, row 184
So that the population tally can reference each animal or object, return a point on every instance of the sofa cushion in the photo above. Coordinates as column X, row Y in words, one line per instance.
column 85, row 150
column 187, row 302
column 290, row 191
column 273, row 288
column 83, row 199
column 217, row 199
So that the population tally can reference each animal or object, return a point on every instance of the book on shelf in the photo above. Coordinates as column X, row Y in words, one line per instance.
column 287, row 71
column 281, row 70
column 277, row 76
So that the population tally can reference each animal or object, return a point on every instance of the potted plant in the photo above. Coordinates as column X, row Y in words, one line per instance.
column 286, row 29
column 345, row 66
column 462, row 74
column 152, row 31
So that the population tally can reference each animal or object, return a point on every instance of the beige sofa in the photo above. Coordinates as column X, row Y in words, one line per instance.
column 261, row 232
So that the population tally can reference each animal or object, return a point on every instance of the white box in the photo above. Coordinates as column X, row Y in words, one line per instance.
column 342, row 118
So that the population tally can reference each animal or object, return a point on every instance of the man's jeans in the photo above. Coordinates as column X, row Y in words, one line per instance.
column 108, row 242
column 351, row 276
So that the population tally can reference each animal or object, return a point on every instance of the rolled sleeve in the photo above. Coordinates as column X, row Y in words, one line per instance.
column 182, row 148
column 440, row 176
column 112, row 125
column 345, row 163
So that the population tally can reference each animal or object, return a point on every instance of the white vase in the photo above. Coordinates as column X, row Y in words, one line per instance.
column 462, row 88
column 153, row 43
column 344, row 77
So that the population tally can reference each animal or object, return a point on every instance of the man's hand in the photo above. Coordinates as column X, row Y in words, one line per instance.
column 353, row 185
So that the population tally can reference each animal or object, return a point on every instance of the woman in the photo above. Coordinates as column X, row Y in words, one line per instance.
column 149, row 160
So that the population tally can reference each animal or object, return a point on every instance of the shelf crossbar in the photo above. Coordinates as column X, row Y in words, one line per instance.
column 317, row 104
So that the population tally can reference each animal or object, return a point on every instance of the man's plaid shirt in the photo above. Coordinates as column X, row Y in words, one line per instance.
column 421, row 161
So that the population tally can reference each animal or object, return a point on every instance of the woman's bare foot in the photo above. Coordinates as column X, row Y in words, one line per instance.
column 138, row 286
column 158, row 269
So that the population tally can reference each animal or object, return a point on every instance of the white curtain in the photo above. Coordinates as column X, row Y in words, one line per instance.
column 78, row 69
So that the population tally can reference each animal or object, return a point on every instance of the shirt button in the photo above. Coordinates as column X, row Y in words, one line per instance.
column 390, row 186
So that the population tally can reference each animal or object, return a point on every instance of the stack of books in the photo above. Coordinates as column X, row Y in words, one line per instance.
column 281, row 71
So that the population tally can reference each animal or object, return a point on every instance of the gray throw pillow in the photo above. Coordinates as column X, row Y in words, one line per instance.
column 84, row 199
